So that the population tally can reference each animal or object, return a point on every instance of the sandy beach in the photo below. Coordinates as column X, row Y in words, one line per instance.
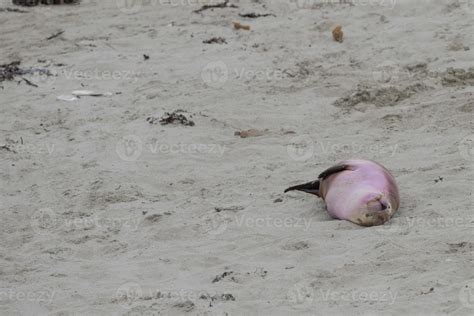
column 145, row 147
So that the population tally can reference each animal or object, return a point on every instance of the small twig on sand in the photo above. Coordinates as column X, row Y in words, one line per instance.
column 224, row 4
column 30, row 83
column 12, row 10
column 255, row 15
column 215, row 40
column 7, row 148
column 54, row 35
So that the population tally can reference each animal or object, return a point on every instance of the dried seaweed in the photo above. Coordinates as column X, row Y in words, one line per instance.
column 175, row 117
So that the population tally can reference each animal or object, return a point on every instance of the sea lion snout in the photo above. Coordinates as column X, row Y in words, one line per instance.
column 370, row 218
column 376, row 211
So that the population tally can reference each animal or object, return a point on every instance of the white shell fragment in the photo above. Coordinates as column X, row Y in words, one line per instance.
column 67, row 97
column 82, row 93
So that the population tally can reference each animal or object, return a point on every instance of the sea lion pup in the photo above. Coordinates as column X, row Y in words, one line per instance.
column 360, row 191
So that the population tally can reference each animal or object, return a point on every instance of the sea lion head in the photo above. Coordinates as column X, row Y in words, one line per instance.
column 376, row 209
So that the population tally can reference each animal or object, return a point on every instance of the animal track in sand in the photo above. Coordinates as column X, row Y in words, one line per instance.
column 385, row 96
column 300, row 245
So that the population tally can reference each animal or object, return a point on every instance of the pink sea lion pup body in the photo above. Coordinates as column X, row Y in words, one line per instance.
column 361, row 191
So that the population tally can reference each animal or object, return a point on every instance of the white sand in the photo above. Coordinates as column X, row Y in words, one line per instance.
column 93, row 227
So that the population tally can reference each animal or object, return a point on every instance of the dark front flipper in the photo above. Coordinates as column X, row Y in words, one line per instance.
column 310, row 187
column 333, row 170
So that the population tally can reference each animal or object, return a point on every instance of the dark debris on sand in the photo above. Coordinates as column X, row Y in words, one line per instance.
column 175, row 117
column 7, row 148
column 222, row 276
column 30, row 3
column 11, row 70
column 222, row 297
column 215, row 40
column 221, row 5
column 58, row 33
column 253, row 15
